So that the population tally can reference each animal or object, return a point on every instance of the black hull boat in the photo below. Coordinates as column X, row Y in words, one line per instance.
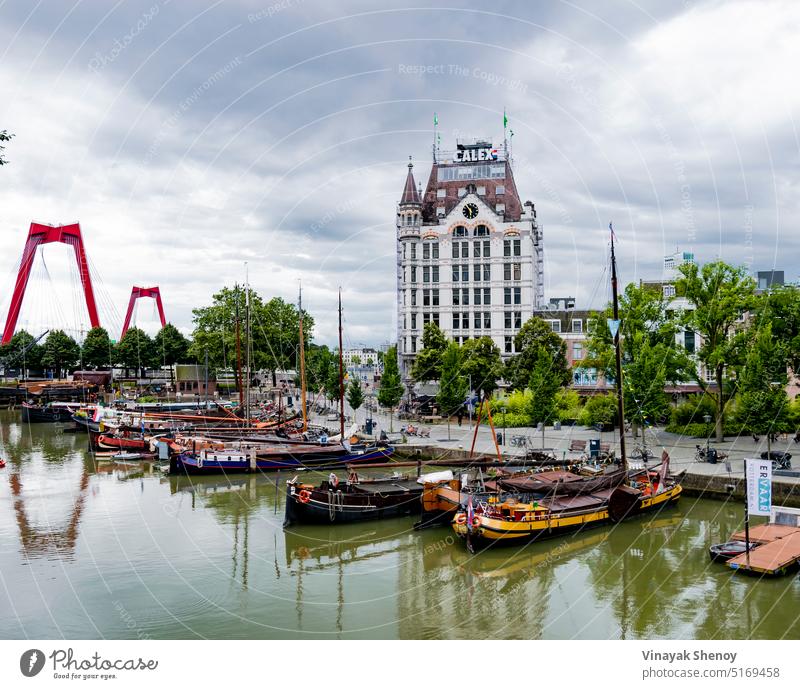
column 50, row 413
column 722, row 552
column 351, row 501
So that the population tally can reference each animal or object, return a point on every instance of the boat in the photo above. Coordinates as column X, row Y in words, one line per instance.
column 113, row 442
column 722, row 552
column 552, row 504
column 238, row 461
column 52, row 412
column 2, row 463
column 354, row 499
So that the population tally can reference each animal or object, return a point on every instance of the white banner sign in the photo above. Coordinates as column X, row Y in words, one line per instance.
column 758, row 473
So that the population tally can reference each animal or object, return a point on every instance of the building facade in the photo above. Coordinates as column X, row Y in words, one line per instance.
column 469, row 252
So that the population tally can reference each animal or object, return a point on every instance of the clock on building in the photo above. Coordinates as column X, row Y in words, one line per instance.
column 470, row 211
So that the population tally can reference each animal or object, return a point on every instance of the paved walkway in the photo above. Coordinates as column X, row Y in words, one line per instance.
column 681, row 448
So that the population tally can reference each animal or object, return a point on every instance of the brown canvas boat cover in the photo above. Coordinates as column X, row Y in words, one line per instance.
column 562, row 483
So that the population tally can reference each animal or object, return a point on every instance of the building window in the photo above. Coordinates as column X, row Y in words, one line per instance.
column 517, row 247
column 512, row 247
column 517, row 295
column 426, row 251
column 454, row 253
column 456, row 320
column 465, row 296
column 462, row 191
column 507, row 322
column 426, row 297
column 413, row 344
column 487, row 296
column 476, row 272
column 426, row 274
column 413, row 321
column 517, row 320
column 506, row 271
column 487, row 320
column 481, row 191
column 577, row 325
column 499, row 190
column 441, row 193
column 507, row 295
column 456, row 295
column 555, row 326
column 464, row 272
column 434, row 273
column 669, row 291
column 413, row 297
column 440, row 211
column 436, row 318
column 500, row 208
column 481, row 231
column 413, row 273
column 413, row 250
column 435, row 297
column 688, row 341
column 577, row 351
column 477, row 293
column 487, row 272
column 509, row 344
column 435, row 250
column 460, row 231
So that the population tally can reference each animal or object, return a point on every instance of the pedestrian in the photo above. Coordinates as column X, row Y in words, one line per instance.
column 460, row 415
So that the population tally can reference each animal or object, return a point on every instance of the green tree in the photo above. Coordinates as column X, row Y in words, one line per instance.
column 644, row 379
column 21, row 352
column 428, row 362
column 391, row 389
column 599, row 409
column 780, row 306
column 60, row 353
column 544, row 387
column 4, row 136
column 482, row 364
column 452, row 383
column 333, row 384
column 135, row 350
column 96, row 350
column 320, row 361
column 355, row 395
column 274, row 331
column 535, row 335
column 763, row 404
column 720, row 295
column 171, row 347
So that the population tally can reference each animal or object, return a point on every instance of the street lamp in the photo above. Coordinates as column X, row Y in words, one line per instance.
column 707, row 419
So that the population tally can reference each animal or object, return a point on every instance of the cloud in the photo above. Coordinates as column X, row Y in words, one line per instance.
column 211, row 139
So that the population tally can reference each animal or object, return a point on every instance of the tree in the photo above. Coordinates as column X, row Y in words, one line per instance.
column 482, row 363
column 135, row 350
column 320, row 361
column 4, row 136
column 274, row 331
column 96, row 350
column 720, row 294
column 60, row 353
column 391, row 390
column 647, row 330
column 22, row 352
column 170, row 347
column 333, row 384
column 428, row 362
column 763, row 403
column 780, row 306
column 355, row 395
column 452, row 384
column 535, row 335
column 544, row 387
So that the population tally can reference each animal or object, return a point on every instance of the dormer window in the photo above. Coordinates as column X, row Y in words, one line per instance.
column 460, row 231
column 499, row 190
column 481, row 231
column 481, row 191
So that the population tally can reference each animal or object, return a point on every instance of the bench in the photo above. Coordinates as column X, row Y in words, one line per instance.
column 577, row 446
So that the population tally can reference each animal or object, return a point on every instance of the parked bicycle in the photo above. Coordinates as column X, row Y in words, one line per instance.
column 708, row 454
column 780, row 460
column 643, row 453
column 519, row 441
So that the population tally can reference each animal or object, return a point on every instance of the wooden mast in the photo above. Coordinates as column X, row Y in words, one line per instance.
column 341, row 371
column 302, row 361
column 239, row 355
column 247, row 342
column 617, row 354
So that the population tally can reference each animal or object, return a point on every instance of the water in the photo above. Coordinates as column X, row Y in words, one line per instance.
column 88, row 550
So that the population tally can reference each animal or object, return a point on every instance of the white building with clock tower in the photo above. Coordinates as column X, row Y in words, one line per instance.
column 469, row 252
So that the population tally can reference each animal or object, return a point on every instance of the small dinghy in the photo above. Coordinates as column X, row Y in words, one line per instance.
column 722, row 552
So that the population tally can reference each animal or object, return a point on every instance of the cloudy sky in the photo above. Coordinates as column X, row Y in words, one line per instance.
column 188, row 138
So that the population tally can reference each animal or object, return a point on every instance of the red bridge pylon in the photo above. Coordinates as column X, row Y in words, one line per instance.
column 137, row 292
column 46, row 234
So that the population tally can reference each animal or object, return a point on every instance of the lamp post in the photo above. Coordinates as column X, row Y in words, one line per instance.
column 707, row 419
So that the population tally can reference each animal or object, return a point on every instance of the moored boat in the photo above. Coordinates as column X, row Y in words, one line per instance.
column 52, row 412
column 722, row 552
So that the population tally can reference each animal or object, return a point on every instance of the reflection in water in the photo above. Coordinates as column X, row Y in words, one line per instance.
column 92, row 549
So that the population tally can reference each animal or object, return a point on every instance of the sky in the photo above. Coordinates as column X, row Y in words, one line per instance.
column 198, row 143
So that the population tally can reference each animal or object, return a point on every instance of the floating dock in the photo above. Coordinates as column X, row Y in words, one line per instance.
column 777, row 549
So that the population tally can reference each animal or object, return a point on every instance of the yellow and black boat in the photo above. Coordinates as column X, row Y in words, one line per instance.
column 521, row 517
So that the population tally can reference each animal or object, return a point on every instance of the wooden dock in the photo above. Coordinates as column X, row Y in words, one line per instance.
column 778, row 548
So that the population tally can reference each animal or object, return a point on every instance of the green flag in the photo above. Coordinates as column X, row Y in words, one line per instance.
column 505, row 119
column 435, row 119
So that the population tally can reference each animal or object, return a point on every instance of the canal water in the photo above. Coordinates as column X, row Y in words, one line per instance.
column 94, row 550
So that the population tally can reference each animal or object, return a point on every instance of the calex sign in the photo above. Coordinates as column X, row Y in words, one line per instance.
column 474, row 155
column 758, row 473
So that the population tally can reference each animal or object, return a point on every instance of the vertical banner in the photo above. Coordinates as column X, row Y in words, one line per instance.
column 758, row 473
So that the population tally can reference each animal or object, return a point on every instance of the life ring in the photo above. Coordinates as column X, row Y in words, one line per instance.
column 476, row 521
column 304, row 496
column 461, row 518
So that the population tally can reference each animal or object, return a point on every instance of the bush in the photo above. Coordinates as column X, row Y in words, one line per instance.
column 702, row 430
column 568, row 405
column 692, row 411
column 599, row 409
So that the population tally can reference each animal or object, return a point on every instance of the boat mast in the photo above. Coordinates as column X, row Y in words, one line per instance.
column 239, row 355
column 302, row 360
column 617, row 354
column 247, row 339
column 341, row 372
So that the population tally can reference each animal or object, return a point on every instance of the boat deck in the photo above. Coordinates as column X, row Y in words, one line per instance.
column 387, row 488
column 779, row 548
